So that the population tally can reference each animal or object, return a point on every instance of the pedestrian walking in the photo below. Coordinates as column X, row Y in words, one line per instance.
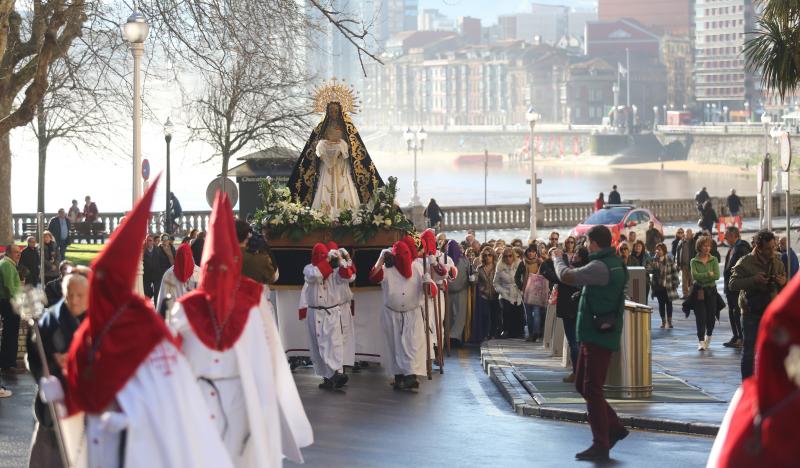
column 150, row 268
column 9, row 287
column 488, row 305
column 599, row 329
column 434, row 214
column 534, row 289
column 788, row 257
column 708, row 217
column 60, row 227
column 700, row 198
column 665, row 283
column 738, row 249
column 686, row 252
column 614, row 197
column 705, row 271
column 513, row 315
column 652, row 238
column 734, row 203
column 599, row 203
column 29, row 262
column 675, row 242
column 758, row 276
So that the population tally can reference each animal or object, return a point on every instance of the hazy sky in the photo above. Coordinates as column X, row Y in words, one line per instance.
column 488, row 10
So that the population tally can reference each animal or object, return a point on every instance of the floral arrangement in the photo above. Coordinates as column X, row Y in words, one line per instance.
column 282, row 216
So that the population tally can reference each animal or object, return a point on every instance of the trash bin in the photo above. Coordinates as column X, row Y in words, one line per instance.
column 630, row 374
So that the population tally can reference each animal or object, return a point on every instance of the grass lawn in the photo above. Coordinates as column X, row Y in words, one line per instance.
column 83, row 254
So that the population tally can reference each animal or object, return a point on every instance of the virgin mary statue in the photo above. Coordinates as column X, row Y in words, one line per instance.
column 334, row 172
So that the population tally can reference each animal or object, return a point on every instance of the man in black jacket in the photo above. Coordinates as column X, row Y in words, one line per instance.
column 29, row 263
column 614, row 197
column 686, row 252
column 150, row 268
column 60, row 226
column 57, row 326
column 738, row 249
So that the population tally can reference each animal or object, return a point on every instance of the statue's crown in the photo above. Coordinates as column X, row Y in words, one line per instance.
column 336, row 91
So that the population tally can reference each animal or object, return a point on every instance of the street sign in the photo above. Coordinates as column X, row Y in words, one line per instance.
column 221, row 183
column 145, row 169
column 786, row 151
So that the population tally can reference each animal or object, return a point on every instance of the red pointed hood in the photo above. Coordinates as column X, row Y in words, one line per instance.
column 402, row 258
column 184, row 263
column 412, row 246
column 319, row 258
column 331, row 245
column 217, row 310
column 428, row 239
column 770, row 393
column 121, row 327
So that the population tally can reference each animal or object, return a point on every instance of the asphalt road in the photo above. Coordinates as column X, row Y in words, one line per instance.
column 457, row 419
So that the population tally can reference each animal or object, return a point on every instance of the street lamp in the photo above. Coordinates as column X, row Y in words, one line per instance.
column 415, row 142
column 532, row 116
column 168, row 127
column 655, row 118
column 615, row 90
column 766, row 168
column 135, row 32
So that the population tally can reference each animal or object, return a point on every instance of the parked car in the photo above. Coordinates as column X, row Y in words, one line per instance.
column 620, row 219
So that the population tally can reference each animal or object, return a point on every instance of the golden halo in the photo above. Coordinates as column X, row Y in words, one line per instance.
column 336, row 91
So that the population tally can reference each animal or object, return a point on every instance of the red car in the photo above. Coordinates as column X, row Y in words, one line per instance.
column 620, row 219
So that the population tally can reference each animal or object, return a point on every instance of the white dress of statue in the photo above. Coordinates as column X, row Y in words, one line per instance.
column 336, row 191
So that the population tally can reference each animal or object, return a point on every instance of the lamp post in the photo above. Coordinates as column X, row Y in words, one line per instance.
column 766, row 167
column 135, row 33
column 415, row 142
column 655, row 118
column 615, row 90
column 168, row 127
column 532, row 116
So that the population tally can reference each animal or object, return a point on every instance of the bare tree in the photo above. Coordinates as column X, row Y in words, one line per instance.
column 33, row 35
column 80, row 104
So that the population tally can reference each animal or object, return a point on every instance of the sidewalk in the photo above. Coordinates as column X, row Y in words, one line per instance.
column 692, row 389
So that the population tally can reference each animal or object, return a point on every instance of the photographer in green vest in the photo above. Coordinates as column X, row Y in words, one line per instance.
column 599, row 327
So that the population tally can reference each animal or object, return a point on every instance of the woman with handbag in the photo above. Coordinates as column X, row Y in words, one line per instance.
column 665, row 283
column 513, row 316
column 534, row 289
column 705, row 272
column 488, row 305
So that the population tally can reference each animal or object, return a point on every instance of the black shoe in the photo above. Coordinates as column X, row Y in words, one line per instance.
column 410, row 382
column 327, row 384
column 356, row 368
column 339, row 380
column 730, row 344
column 593, row 454
column 398, row 381
column 614, row 438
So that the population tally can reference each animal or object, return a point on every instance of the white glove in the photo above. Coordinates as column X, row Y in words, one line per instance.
column 112, row 421
column 50, row 389
column 385, row 251
column 333, row 254
column 343, row 252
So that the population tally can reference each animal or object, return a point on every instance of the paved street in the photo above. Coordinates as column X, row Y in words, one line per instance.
column 458, row 419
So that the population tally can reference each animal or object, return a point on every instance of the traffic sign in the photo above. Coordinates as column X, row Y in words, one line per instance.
column 222, row 183
column 786, row 151
column 145, row 169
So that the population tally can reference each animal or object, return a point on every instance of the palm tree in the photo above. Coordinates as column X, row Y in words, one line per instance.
column 774, row 48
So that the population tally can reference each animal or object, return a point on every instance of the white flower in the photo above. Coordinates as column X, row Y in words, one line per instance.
column 792, row 364
column 388, row 221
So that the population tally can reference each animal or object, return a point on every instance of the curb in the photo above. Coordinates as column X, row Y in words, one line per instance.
column 523, row 402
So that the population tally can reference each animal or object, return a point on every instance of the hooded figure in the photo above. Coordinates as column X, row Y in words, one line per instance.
column 334, row 171
column 178, row 280
column 323, row 305
column 231, row 341
column 402, row 316
column 760, row 427
column 347, row 273
column 457, row 290
column 131, row 395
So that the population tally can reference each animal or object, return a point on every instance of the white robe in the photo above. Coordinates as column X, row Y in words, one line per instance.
column 164, row 428
column 170, row 286
column 324, row 320
column 403, row 323
column 249, row 392
column 335, row 191
column 346, row 318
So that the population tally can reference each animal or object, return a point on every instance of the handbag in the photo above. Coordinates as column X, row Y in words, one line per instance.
column 536, row 290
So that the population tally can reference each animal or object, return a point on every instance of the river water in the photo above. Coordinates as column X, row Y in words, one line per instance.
column 440, row 177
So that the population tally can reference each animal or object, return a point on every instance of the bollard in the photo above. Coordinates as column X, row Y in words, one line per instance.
column 630, row 374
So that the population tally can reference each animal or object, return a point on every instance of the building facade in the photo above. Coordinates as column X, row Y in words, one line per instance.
column 664, row 16
column 720, row 77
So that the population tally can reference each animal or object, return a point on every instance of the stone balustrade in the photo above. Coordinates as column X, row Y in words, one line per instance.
column 457, row 218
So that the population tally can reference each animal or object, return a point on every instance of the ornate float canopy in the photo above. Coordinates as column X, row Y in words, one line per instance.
column 336, row 91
